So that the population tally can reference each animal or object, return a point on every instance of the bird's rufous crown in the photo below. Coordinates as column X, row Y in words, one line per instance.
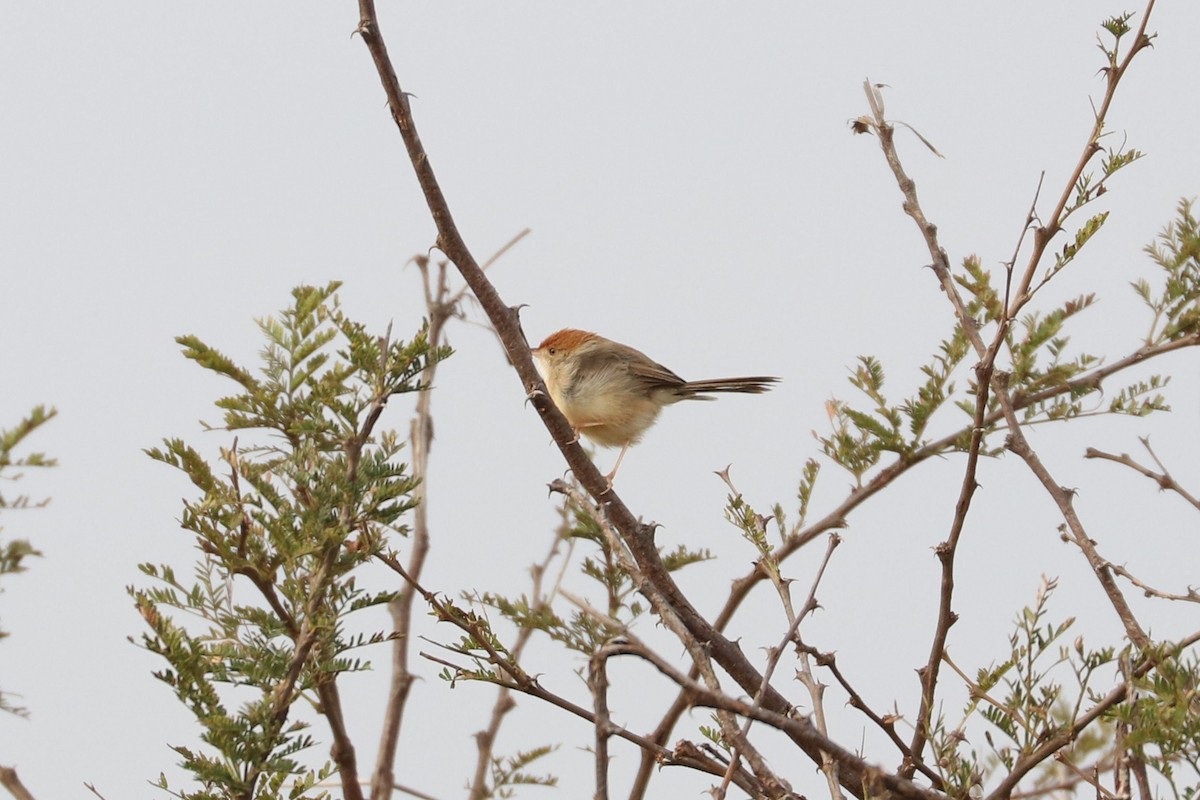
column 566, row 339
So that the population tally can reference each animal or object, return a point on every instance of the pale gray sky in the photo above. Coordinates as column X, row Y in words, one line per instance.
column 693, row 190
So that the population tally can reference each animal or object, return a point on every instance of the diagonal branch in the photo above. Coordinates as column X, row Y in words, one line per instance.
column 1045, row 233
column 836, row 518
column 855, row 774
column 989, row 380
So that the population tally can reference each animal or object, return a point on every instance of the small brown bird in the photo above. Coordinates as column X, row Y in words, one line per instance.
column 612, row 393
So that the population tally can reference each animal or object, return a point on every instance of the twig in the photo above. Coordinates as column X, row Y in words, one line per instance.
column 1092, row 780
column 816, row 690
column 1044, row 234
column 976, row 692
column 10, row 781
column 766, row 781
column 886, row 724
column 342, row 751
column 441, row 306
column 1163, row 479
column 988, row 380
column 1057, row 741
column 945, row 551
column 1030, row 218
column 1066, row 784
column 1192, row 595
column 598, row 686
column 836, row 518
column 485, row 740
column 1064, row 499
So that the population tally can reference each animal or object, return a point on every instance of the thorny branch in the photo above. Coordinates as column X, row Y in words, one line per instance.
column 400, row 609
column 513, row 678
column 816, row 690
column 991, row 380
column 856, row 775
column 598, row 686
column 485, row 740
column 836, row 518
column 1164, row 479
column 441, row 306
column 1069, row 734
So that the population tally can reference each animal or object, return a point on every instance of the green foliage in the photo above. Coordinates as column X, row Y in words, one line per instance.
column 10, row 440
column 1163, row 720
column 1141, row 397
column 1047, row 381
column 14, row 552
column 984, row 304
column 510, row 772
column 1176, row 306
column 1072, row 248
column 282, row 526
column 808, row 482
column 1022, row 700
column 937, row 388
column 860, row 437
column 714, row 735
column 852, row 447
column 1039, row 362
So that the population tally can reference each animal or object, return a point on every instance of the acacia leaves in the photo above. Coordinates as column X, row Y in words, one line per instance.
column 283, row 521
column 1049, row 379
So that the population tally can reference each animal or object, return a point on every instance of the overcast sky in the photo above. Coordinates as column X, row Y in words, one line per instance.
column 693, row 190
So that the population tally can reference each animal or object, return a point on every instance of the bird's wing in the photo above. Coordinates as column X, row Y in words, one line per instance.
column 655, row 375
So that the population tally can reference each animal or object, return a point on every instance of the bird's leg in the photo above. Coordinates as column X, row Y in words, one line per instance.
column 609, row 477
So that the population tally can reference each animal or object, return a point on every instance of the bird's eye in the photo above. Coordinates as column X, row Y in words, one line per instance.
column 552, row 350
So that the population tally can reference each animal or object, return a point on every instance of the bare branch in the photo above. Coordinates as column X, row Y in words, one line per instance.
column 1192, row 595
column 987, row 380
column 1064, row 499
column 440, row 308
column 816, row 690
column 10, row 781
column 598, row 685
column 1163, row 478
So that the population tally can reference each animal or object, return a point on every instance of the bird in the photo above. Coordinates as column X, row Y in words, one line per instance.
column 612, row 393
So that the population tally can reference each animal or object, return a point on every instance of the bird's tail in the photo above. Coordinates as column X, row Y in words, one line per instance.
column 697, row 389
